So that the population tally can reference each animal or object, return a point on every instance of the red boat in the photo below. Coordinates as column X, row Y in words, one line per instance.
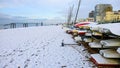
column 81, row 24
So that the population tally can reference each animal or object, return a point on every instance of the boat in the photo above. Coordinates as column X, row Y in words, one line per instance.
column 102, row 62
column 96, row 44
column 118, row 50
column 110, row 43
column 110, row 53
column 107, row 28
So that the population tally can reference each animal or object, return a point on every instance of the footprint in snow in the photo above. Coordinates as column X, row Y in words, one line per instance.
column 47, row 42
column 20, row 54
column 32, row 54
column 58, row 62
column 5, row 66
column 36, row 54
column 27, row 60
column 26, row 45
column 36, row 63
column 18, row 66
column 14, row 50
column 26, row 63
column 43, row 48
column 11, row 60
column 21, row 51
column 12, row 54
column 63, row 66
column 5, row 52
column 7, row 55
column 62, row 56
column 43, row 55
column 38, row 50
column 41, row 42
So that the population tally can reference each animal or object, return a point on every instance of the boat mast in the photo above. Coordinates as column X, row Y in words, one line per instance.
column 77, row 11
column 70, row 15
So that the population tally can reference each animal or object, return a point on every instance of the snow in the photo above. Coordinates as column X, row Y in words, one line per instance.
column 40, row 47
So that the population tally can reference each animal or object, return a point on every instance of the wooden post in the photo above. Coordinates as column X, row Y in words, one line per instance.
column 41, row 23
column 14, row 25
column 10, row 25
column 26, row 24
column 23, row 24
column 62, row 44
column 36, row 24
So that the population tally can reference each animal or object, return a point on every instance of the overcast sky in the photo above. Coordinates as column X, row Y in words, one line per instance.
column 49, row 9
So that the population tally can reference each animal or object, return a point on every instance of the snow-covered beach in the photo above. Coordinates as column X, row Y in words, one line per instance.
column 40, row 47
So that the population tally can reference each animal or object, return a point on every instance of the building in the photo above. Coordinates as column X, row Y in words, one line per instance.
column 81, row 20
column 91, row 14
column 112, row 16
column 90, row 19
column 100, row 11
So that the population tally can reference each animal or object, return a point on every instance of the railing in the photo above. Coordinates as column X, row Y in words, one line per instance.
column 22, row 25
column 13, row 25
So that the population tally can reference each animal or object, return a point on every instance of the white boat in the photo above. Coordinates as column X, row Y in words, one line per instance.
column 96, row 45
column 110, row 53
column 88, row 34
column 102, row 61
column 78, row 39
column 94, row 28
column 88, row 40
column 118, row 50
column 113, row 28
column 97, row 34
column 110, row 42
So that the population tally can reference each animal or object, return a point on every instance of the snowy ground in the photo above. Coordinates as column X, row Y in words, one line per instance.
column 40, row 47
